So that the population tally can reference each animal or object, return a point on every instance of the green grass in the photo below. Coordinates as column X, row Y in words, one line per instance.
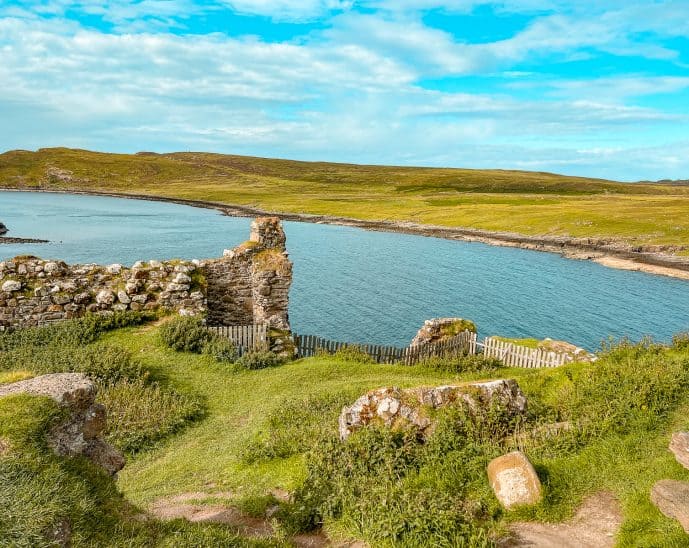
column 274, row 429
column 529, row 203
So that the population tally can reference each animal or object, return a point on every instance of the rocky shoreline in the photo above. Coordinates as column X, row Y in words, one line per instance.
column 657, row 260
column 7, row 240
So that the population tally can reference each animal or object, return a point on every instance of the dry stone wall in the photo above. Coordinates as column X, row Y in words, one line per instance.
column 249, row 284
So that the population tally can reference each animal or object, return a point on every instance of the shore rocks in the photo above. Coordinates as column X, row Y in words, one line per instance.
column 514, row 480
column 438, row 330
column 80, row 433
column 398, row 408
column 671, row 497
column 573, row 352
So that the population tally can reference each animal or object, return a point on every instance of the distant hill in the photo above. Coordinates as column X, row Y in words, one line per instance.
column 524, row 202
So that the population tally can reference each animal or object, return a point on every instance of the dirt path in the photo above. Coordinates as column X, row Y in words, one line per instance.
column 188, row 506
column 594, row 526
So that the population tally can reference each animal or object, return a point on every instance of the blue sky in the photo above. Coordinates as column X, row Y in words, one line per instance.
column 596, row 88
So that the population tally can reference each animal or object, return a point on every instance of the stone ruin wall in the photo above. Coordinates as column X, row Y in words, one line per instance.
column 249, row 284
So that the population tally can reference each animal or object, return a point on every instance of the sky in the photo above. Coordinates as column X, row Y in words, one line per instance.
column 581, row 87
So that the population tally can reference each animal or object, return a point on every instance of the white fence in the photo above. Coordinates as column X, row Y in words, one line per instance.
column 255, row 337
column 513, row 355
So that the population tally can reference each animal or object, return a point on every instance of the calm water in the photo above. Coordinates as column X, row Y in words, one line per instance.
column 354, row 285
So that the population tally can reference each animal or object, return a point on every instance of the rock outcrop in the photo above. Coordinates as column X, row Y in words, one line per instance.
column 679, row 446
column 79, row 434
column 514, row 480
column 395, row 407
column 671, row 497
column 573, row 352
column 438, row 330
column 249, row 284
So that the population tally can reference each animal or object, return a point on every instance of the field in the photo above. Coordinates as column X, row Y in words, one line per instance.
column 246, row 438
column 528, row 203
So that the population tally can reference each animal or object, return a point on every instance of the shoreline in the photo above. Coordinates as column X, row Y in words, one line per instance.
column 604, row 252
column 12, row 240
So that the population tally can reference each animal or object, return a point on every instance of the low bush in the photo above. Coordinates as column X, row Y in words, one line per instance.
column 221, row 349
column 72, row 332
column 631, row 386
column 462, row 364
column 260, row 360
column 185, row 334
column 104, row 363
column 140, row 414
column 390, row 489
column 680, row 341
column 295, row 426
column 353, row 353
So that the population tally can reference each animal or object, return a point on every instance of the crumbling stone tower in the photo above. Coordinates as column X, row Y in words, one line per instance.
column 250, row 283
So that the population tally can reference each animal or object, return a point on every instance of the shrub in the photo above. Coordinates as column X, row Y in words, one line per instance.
column 185, row 334
column 223, row 350
column 105, row 363
column 681, row 341
column 72, row 332
column 462, row 364
column 353, row 353
column 139, row 414
column 260, row 360
column 295, row 426
column 631, row 386
column 389, row 488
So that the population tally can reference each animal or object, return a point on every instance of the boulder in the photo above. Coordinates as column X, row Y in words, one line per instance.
column 671, row 497
column 10, row 286
column 115, row 268
column 123, row 297
column 574, row 352
column 79, row 434
column 105, row 296
column 394, row 407
column 679, row 446
column 440, row 329
column 514, row 480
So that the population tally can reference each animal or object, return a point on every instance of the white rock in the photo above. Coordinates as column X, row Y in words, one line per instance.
column 11, row 285
column 115, row 268
column 123, row 297
column 105, row 296
column 51, row 267
column 182, row 278
column 154, row 264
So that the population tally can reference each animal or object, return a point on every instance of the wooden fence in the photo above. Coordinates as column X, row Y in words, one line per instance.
column 513, row 355
column 255, row 337
column 245, row 337
column 464, row 343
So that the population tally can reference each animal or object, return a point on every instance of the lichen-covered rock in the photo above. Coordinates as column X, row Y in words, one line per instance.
column 671, row 497
column 10, row 286
column 514, row 480
column 395, row 407
column 438, row 330
column 80, row 433
column 573, row 352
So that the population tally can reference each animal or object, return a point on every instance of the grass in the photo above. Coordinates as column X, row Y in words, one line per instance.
column 529, row 203
column 274, row 429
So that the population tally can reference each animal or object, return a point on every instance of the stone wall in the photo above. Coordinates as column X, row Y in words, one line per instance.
column 249, row 284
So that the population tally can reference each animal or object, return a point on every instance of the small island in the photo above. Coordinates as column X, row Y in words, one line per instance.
column 5, row 240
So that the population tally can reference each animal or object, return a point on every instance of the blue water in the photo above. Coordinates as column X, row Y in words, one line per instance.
column 355, row 285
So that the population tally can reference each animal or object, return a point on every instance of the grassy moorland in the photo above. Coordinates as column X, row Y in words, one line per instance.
column 529, row 203
column 191, row 422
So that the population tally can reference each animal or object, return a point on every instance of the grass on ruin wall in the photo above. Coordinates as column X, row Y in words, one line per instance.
column 529, row 203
